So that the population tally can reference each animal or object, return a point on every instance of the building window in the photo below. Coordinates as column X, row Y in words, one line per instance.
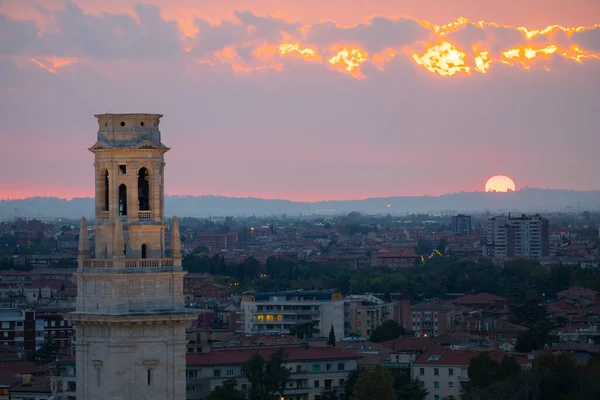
column 229, row 372
column 436, row 385
column 421, row 384
column 328, row 367
column 436, row 371
column 122, row 169
column 436, row 397
column 217, row 373
column 143, row 190
column 122, row 200
column 316, row 368
column 298, row 368
column 340, row 366
column 342, row 382
column 451, row 385
column 316, row 384
column 149, row 377
column 421, row 371
column 450, row 372
column 144, row 251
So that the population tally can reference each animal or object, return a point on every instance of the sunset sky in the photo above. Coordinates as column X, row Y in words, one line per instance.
column 306, row 99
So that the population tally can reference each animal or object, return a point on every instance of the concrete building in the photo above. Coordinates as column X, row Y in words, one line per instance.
column 130, row 317
column 278, row 311
column 312, row 370
column 20, row 328
column 523, row 236
column 461, row 224
column 444, row 372
column 430, row 319
column 365, row 313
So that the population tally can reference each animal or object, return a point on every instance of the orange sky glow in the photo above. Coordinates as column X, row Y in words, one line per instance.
column 275, row 55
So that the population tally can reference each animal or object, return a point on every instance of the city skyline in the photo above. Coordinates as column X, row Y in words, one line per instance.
column 295, row 102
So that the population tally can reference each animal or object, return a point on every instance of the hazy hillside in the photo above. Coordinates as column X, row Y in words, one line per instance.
column 526, row 200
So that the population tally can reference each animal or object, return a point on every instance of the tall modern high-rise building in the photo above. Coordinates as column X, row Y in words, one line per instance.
column 130, row 317
column 523, row 236
column 461, row 224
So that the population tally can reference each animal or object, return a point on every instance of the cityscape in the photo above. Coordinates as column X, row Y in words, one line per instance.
column 295, row 226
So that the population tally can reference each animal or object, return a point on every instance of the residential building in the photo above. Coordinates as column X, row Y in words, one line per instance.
column 525, row 237
column 63, row 380
column 278, row 311
column 431, row 318
column 20, row 328
column 130, row 313
column 365, row 313
column 32, row 388
column 461, row 224
column 444, row 372
column 312, row 370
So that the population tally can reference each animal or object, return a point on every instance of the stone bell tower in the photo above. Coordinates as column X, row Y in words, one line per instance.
column 130, row 317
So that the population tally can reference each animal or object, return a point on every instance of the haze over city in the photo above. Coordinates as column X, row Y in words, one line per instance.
column 305, row 100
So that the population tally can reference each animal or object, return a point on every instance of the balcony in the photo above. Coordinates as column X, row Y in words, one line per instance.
column 144, row 215
column 132, row 265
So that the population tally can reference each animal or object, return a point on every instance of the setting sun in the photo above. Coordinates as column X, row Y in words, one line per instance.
column 500, row 183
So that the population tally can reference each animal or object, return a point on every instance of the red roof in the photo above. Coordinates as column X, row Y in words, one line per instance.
column 396, row 255
column 576, row 291
column 241, row 356
column 445, row 356
column 479, row 299
column 408, row 344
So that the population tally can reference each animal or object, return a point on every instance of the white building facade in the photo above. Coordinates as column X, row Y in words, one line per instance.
column 276, row 312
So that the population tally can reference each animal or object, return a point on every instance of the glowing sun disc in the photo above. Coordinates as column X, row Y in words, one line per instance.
column 500, row 183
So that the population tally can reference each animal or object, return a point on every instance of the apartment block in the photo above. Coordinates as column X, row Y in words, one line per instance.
column 461, row 224
column 276, row 312
column 20, row 328
column 312, row 370
column 365, row 313
column 444, row 372
column 430, row 318
column 524, row 236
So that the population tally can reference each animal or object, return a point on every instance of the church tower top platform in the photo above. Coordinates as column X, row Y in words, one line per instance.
column 128, row 130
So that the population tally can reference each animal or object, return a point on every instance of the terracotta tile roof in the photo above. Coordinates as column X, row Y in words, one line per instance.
column 300, row 353
column 575, row 291
column 395, row 255
column 444, row 356
column 402, row 344
column 479, row 299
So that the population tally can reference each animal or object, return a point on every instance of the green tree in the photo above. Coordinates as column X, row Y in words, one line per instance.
column 412, row 391
column 331, row 340
column 483, row 371
column 375, row 384
column 350, row 382
column 48, row 352
column 389, row 330
column 267, row 379
column 329, row 395
column 227, row 391
column 508, row 368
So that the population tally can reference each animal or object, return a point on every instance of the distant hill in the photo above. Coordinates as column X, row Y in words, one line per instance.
column 525, row 200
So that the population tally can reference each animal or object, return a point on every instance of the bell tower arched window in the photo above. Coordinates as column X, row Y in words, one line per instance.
column 106, row 191
column 143, row 190
column 123, row 200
